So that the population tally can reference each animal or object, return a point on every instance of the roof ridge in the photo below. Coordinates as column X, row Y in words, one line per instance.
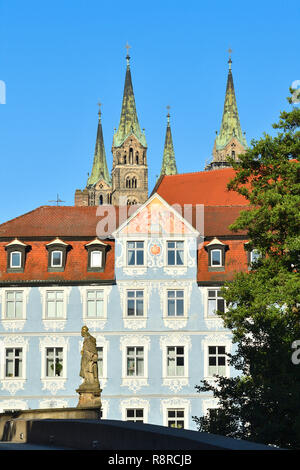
column 22, row 215
column 203, row 171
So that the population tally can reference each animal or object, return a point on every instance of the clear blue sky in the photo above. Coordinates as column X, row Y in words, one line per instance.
column 58, row 58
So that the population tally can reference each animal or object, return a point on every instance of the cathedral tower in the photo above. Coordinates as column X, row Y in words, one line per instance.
column 168, row 163
column 98, row 189
column 230, row 141
column 129, row 149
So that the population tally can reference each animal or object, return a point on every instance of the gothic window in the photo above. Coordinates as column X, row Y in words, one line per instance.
column 233, row 154
column 124, row 159
column 137, row 158
column 100, row 199
column 128, row 182
column 131, row 202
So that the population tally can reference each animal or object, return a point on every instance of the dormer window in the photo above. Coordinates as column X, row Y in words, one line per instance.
column 16, row 252
column 56, row 259
column 96, row 259
column 216, row 255
column 15, row 259
column 57, row 255
column 96, row 255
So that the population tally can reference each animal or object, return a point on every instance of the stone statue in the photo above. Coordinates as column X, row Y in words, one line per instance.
column 89, row 391
column 89, row 358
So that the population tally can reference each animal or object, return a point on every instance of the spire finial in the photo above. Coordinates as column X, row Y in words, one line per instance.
column 127, row 56
column 168, row 115
column 229, row 60
column 99, row 111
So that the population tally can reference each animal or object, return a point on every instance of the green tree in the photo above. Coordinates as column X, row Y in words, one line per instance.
column 262, row 402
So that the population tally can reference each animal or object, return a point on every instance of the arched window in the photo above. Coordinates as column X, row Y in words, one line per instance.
column 100, row 200
column 137, row 158
column 108, row 199
column 130, row 202
column 125, row 159
column 233, row 154
column 128, row 182
column 133, row 182
column 131, row 155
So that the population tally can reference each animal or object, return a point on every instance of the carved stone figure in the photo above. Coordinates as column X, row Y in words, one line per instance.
column 89, row 358
column 89, row 391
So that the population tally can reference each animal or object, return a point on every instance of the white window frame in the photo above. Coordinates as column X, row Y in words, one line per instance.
column 53, row 384
column 54, row 323
column 213, row 317
column 14, row 323
column 13, row 384
column 135, row 403
column 176, row 382
column 56, row 300
column 175, row 265
column 94, row 322
column 136, row 266
column 20, row 258
column 175, row 298
column 211, row 258
column 175, row 322
column 61, row 259
column 175, row 404
column 92, row 264
column 216, row 339
column 135, row 298
column 134, row 382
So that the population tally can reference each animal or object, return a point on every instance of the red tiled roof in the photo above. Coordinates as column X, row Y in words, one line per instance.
column 75, row 270
column 203, row 187
column 235, row 261
column 72, row 221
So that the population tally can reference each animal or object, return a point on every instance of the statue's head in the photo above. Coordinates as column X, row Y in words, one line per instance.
column 84, row 330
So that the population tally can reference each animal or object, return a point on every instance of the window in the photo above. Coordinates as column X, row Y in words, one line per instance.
column 216, row 360
column 14, row 304
column 135, row 361
column 135, row 253
column 54, row 362
column 56, row 259
column 54, row 304
column 175, row 418
column 135, row 414
column 216, row 258
column 215, row 302
column 175, row 253
column 175, row 361
column 100, row 361
column 15, row 259
column 96, row 259
column 135, row 303
column 13, row 362
column 95, row 303
column 175, row 303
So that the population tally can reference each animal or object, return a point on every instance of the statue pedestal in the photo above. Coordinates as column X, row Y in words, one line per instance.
column 89, row 396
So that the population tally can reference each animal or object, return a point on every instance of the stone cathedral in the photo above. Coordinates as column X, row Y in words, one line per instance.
column 128, row 182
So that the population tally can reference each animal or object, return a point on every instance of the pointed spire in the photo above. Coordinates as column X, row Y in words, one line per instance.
column 169, row 163
column 129, row 123
column 230, row 126
column 99, row 170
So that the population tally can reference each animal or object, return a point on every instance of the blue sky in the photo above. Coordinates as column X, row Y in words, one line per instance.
column 59, row 58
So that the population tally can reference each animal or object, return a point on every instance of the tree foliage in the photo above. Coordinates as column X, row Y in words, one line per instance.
column 261, row 402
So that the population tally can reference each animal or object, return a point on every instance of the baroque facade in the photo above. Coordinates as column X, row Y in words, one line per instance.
column 144, row 278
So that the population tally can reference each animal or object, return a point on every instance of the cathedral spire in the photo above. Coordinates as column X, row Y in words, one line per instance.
column 169, row 163
column 129, row 123
column 99, row 170
column 230, row 140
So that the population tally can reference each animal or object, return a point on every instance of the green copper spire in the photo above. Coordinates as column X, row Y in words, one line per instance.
column 169, row 163
column 129, row 123
column 99, row 170
column 230, row 126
